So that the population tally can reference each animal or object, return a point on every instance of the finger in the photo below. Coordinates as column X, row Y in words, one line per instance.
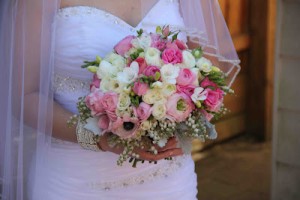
column 162, row 155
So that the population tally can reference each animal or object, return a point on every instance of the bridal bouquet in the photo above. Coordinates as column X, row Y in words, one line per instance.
column 151, row 88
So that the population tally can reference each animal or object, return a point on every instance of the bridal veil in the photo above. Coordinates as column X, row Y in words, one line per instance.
column 26, row 68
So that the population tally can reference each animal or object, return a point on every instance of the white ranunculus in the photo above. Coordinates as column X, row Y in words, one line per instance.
column 168, row 89
column 144, row 42
column 106, row 69
column 152, row 96
column 204, row 65
column 129, row 74
column 116, row 60
column 152, row 57
column 169, row 73
column 159, row 111
column 199, row 94
column 188, row 59
column 124, row 101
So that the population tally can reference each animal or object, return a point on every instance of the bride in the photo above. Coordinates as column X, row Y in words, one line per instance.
column 43, row 45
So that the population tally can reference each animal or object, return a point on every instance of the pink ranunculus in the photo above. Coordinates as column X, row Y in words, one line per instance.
column 125, row 127
column 179, row 106
column 151, row 71
column 207, row 115
column 140, row 88
column 144, row 111
column 142, row 64
column 158, row 42
column 95, row 84
column 214, row 99
column 94, row 102
column 206, row 83
column 171, row 45
column 124, row 45
column 110, row 101
column 180, row 44
column 172, row 56
column 186, row 77
column 112, row 115
column 186, row 89
column 103, row 122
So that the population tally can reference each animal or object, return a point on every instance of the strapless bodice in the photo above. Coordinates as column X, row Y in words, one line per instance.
column 83, row 32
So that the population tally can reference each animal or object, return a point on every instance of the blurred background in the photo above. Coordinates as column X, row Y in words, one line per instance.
column 257, row 153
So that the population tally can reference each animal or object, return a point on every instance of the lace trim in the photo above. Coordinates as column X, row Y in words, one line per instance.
column 67, row 84
column 153, row 174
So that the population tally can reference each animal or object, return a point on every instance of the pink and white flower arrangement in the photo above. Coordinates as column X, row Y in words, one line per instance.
column 152, row 86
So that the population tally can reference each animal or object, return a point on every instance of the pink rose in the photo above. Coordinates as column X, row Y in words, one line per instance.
column 206, row 82
column 180, row 44
column 158, row 42
column 179, row 106
column 124, row 45
column 186, row 89
column 142, row 64
column 151, row 71
column 125, row 127
column 144, row 111
column 103, row 122
column 186, row 77
column 110, row 101
column 171, row 45
column 207, row 115
column 94, row 102
column 140, row 88
column 172, row 55
column 95, row 84
column 214, row 99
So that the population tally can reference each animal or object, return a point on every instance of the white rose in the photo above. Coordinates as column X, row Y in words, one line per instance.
column 204, row 65
column 107, row 70
column 129, row 74
column 168, row 89
column 152, row 57
column 188, row 59
column 199, row 94
column 124, row 101
column 152, row 96
column 146, row 125
column 144, row 42
column 116, row 60
column 159, row 111
column 169, row 73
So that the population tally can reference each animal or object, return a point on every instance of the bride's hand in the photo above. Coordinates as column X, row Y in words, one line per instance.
column 169, row 150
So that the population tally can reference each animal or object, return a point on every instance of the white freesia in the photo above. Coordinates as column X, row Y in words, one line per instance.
column 116, row 86
column 204, row 65
column 116, row 60
column 146, row 125
column 188, row 59
column 106, row 69
column 152, row 96
column 159, row 111
column 92, row 125
column 152, row 57
column 169, row 73
column 168, row 89
column 144, row 42
column 105, row 85
column 124, row 101
column 129, row 74
column 199, row 94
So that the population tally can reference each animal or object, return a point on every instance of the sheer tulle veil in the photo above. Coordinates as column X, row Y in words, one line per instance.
column 26, row 68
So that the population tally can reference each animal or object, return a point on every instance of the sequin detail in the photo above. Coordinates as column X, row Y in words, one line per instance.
column 67, row 84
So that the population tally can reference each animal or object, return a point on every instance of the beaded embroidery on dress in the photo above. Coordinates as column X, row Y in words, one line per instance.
column 77, row 173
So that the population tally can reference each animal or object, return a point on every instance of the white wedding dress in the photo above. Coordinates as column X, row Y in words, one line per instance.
column 77, row 174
